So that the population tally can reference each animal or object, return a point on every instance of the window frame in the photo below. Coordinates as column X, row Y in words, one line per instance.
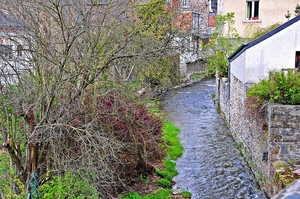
column 6, row 51
column 19, row 50
column 252, row 10
column 184, row 3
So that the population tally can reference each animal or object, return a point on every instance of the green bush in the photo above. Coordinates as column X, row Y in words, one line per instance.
column 281, row 87
column 71, row 185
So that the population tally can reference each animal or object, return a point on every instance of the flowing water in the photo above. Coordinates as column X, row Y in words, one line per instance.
column 209, row 167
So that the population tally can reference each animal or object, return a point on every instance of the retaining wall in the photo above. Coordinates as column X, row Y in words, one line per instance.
column 264, row 137
column 198, row 66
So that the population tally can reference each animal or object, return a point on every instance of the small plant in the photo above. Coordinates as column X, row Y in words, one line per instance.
column 280, row 165
column 292, row 162
column 196, row 76
column 288, row 15
column 239, row 145
column 71, row 184
column 132, row 195
column 297, row 10
column 213, row 95
column 186, row 194
column 280, row 87
column 219, row 108
column 260, row 178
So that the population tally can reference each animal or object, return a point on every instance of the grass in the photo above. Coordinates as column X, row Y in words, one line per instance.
column 197, row 76
column 174, row 150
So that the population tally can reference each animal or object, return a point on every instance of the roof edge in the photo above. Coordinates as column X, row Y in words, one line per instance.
column 244, row 47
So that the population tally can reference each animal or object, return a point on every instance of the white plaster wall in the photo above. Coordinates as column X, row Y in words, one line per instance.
column 237, row 67
column 275, row 53
column 19, row 63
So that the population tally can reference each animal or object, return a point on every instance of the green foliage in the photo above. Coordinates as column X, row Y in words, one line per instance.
column 161, row 194
column 186, row 194
column 196, row 76
column 224, row 42
column 156, row 21
column 280, row 165
column 254, row 31
column 169, row 172
column 71, row 185
column 288, row 15
column 217, row 62
column 281, row 87
column 174, row 150
column 213, row 95
column 4, row 173
column 165, row 183
column 297, row 10
column 172, row 142
column 159, row 73
column 260, row 178
column 132, row 195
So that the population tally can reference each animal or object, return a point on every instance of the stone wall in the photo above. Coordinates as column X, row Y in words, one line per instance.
column 198, row 66
column 264, row 137
column 250, row 130
column 284, row 128
column 222, row 96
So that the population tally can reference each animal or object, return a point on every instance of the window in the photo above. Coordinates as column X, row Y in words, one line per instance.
column 196, row 21
column 6, row 51
column 184, row 3
column 19, row 50
column 252, row 10
column 214, row 6
column 297, row 61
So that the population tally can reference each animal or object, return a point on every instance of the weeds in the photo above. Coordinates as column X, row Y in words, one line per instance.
column 174, row 150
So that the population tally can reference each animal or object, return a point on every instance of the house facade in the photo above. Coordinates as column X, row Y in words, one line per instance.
column 278, row 49
column 12, row 54
column 253, row 14
column 271, row 135
column 194, row 20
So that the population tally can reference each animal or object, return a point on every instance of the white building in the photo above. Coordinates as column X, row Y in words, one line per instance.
column 12, row 55
column 276, row 50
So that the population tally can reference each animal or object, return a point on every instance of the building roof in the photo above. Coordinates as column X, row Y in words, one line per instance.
column 244, row 47
column 8, row 21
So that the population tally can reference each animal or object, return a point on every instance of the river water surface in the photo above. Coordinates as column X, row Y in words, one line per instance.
column 209, row 167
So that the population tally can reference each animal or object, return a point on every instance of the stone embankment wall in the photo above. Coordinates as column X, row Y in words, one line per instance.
column 198, row 66
column 284, row 133
column 265, row 137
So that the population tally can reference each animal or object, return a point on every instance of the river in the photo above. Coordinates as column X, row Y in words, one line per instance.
column 209, row 167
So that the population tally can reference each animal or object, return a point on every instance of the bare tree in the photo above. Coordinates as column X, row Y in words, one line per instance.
column 57, row 111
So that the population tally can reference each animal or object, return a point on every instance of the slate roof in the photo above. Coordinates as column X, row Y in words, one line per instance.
column 8, row 21
column 244, row 47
